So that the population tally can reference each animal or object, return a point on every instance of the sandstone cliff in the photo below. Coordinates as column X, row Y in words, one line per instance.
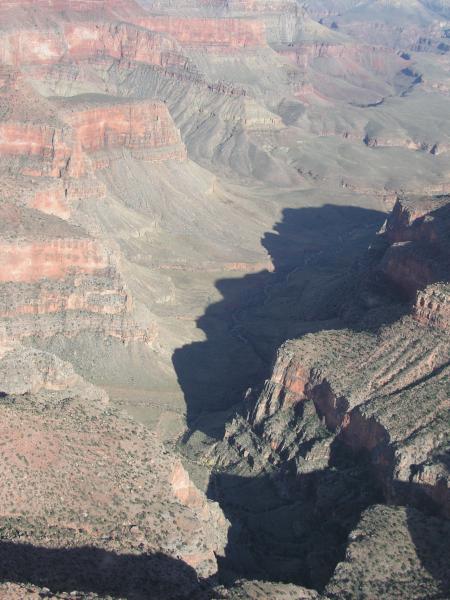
column 211, row 34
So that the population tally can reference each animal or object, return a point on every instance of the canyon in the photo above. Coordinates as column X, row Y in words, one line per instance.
column 224, row 299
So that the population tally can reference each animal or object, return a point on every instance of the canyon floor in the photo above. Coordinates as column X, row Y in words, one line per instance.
column 225, row 299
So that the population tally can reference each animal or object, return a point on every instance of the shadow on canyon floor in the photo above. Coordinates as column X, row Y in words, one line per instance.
column 315, row 253
column 294, row 528
column 290, row 527
column 89, row 569
column 322, row 279
column 312, row 250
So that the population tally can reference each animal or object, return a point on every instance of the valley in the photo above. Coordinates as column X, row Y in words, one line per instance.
column 224, row 299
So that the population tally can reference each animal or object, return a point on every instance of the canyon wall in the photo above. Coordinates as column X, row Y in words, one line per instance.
column 55, row 259
column 377, row 396
column 207, row 33
column 146, row 129
column 418, row 246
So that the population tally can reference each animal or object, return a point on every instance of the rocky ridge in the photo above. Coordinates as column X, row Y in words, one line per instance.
column 340, row 402
column 81, row 480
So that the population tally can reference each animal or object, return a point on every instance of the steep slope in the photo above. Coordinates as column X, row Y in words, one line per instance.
column 92, row 501
column 349, row 418
column 411, row 545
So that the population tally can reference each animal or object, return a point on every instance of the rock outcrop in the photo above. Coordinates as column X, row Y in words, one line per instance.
column 56, row 279
column 86, row 41
column 210, row 34
column 371, row 403
column 417, row 233
column 77, row 474
column 432, row 306
column 146, row 129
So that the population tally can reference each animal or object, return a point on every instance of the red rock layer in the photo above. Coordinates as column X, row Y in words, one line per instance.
column 82, row 41
column 40, row 141
column 134, row 126
column 284, row 389
column 210, row 33
column 59, row 198
column 144, row 128
column 432, row 306
column 51, row 202
column 121, row 41
column 55, row 259
column 29, row 47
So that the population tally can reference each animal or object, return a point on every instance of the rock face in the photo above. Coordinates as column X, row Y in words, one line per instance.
column 76, row 476
column 54, row 276
column 80, row 41
column 418, row 250
column 37, row 142
column 141, row 128
column 146, row 129
column 432, row 306
column 54, row 260
column 57, row 278
column 122, row 41
column 211, row 34
column 371, row 402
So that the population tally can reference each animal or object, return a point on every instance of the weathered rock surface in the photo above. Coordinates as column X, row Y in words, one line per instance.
column 409, row 545
column 349, row 401
column 146, row 129
column 417, row 231
column 77, row 474
column 146, row 150
column 213, row 34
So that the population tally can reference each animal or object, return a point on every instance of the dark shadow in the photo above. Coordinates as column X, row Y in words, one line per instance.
column 89, row 569
column 294, row 533
column 328, row 274
column 311, row 250
column 429, row 533
column 319, row 257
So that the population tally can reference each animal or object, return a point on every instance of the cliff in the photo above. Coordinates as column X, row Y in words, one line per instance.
column 208, row 33
column 42, row 143
column 354, row 414
column 85, row 41
column 55, row 279
column 55, row 259
column 146, row 129
column 122, row 41
column 416, row 260
column 432, row 306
